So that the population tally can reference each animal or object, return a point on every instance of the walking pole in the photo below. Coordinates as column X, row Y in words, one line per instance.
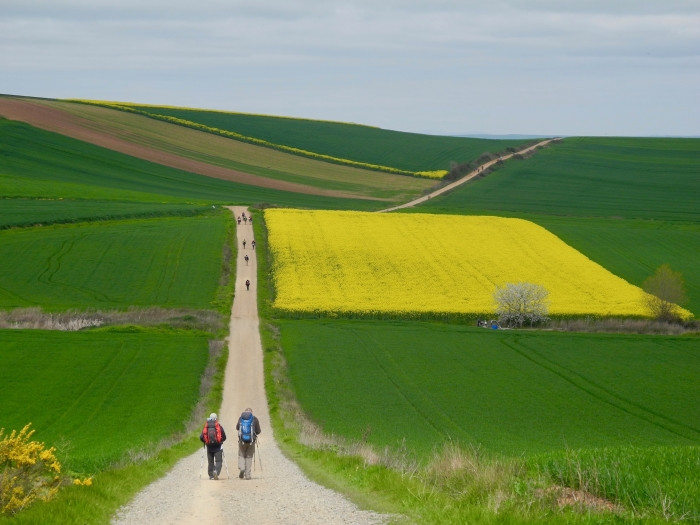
column 257, row 450
column 201, row 462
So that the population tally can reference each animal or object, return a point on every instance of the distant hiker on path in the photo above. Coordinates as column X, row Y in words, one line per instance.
column 213, row 436
column 248, row 428
column 246, row 260
column 247, row 284
column 239, row 221
column 244, row 244
column 252, row 243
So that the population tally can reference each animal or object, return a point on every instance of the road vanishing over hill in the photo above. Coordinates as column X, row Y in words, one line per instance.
column 469, row 176
column 278, row 492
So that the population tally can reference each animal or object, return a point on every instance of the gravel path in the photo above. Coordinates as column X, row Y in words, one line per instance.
column 278, row 493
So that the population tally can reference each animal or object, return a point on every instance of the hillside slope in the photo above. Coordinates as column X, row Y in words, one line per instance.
column 206, row 154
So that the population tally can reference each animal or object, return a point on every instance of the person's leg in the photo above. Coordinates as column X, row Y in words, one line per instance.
column 210, row 466
column 241, row 460
column 218, row 464
column 249, row 453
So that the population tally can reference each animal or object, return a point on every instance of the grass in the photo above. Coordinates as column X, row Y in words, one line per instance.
column 192, row 144
column 98, row 394
column 628, row 204
column 110, row 489
column 623, row 475
column 590, row 177
column 16, row 213
column 448, row 482
column 371, row 145
column 425, row 383
column 482, row 487
column 170, row 262
column 634, row 249
column 38, row 164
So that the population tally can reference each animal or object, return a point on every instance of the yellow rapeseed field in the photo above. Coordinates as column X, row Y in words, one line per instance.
column 337, row 261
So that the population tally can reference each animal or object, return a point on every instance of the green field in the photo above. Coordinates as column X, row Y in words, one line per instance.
column 371, row 145
column 634, row 249
column 38, row 164
column 631, row 205
column 31, row 212
column 590, row 177
column 169, row 262
column 509, row 392
column 94, row 395
column 619, row 412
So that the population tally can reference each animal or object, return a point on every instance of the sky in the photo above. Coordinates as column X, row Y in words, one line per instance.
column 444, row 67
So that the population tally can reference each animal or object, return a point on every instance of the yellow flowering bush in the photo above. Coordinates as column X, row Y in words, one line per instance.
column 366, row 263
column 28, row 471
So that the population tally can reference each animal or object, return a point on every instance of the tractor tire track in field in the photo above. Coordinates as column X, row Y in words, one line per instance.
column 278, row 491
column 606, row 395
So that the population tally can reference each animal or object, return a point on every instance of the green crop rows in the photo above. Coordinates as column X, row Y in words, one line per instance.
column 404, row 151
column 172, row 262
column 591, row 177
column 510, row 392
column 99, row 393
column 38, row 164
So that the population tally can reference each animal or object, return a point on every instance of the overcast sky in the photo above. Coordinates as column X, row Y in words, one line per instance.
column 549, row 67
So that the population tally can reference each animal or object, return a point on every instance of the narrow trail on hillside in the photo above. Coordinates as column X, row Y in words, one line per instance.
column 278, row 493
column 469, row 176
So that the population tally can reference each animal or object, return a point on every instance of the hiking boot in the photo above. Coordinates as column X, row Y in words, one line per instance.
column 216, row 475
column 242, row 473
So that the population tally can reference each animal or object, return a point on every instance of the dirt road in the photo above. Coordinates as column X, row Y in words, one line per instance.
column 466, row 178
column 278, row 492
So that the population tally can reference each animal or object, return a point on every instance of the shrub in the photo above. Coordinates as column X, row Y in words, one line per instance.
column 28, row 471
column 520, row 302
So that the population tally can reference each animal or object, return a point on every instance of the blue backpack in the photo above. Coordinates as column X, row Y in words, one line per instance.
column 246, row 434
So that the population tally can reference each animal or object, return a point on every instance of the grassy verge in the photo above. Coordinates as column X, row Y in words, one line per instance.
column 453, row 483
column 117, row 483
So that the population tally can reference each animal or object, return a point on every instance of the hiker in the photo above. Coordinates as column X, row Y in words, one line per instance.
column 213, row 436
column 244, row 244
column 248, row 428
column 246, row 260
column 247, row 284
column 252, row 243
column 239, row 221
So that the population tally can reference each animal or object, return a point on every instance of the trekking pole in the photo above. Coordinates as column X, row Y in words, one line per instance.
column 257, row 453
column 201, row 462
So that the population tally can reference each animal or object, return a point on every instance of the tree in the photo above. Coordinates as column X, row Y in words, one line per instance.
column 665, row 293
column 520, row 302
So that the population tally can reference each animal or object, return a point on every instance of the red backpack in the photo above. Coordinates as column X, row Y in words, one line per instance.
column 212, row 433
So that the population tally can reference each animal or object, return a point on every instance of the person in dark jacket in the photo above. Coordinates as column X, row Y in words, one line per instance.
column 246, row 450
column 213, row 436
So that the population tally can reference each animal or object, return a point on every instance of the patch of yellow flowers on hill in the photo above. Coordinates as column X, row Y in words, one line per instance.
column 133, row 108
column 366, row 263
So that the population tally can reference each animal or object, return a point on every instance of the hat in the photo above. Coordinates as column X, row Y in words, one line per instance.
column 213, row 415
column 249, row 410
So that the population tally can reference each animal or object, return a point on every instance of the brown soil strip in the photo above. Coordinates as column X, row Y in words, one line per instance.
column 42, row 115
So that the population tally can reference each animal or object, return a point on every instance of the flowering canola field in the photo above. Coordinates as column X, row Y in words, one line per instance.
column 366, row 263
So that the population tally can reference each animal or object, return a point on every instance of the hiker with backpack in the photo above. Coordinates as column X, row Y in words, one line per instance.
column 248, row 428
column 213, row 436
